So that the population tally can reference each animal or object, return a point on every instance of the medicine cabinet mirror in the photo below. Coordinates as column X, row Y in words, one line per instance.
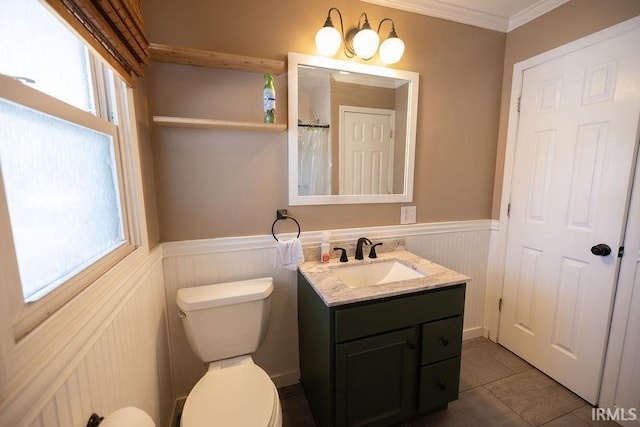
column 352, row 132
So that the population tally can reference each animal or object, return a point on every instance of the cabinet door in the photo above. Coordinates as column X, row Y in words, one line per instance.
column 376, row 379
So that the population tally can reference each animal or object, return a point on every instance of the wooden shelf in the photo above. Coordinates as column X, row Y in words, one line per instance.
column 206, row 58
column 185, row 122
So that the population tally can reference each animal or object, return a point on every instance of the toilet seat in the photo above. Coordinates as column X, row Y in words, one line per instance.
column 241, row 395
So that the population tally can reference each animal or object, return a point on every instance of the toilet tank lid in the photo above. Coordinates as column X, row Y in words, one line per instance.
column 220, row 294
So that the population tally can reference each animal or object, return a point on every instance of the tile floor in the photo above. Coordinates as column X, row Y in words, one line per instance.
column 497, row 388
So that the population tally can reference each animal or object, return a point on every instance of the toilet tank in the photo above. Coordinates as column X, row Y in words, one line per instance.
column 226, row 319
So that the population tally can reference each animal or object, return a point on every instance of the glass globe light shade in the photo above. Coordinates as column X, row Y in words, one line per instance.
column 328, row 41
column 391, row 50
column 365, row 43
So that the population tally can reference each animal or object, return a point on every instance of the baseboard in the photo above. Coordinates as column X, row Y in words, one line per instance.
column 286, row 379
column 485, row 332
column 471, row 333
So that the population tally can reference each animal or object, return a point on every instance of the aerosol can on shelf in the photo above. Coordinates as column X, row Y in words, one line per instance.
column 269, row 96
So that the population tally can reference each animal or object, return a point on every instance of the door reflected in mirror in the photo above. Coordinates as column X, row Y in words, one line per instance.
column 353, row 137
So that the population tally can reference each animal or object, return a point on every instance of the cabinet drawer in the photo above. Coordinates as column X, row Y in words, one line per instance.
column 439, row 384
column 441, row 340
column 390, row 314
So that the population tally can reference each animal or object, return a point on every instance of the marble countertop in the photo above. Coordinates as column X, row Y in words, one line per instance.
column 334, row 293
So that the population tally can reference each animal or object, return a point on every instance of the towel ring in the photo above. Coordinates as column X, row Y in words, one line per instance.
column 283, row 215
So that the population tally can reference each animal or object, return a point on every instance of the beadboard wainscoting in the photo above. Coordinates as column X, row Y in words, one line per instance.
column 462, row 246
column 463, row 249
column 124, row 362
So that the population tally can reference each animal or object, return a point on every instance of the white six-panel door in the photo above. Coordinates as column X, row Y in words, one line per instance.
column 575, row 151
column 366, row 150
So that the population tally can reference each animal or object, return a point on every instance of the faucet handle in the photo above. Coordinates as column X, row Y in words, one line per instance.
column 364, row 241
column 343, row 256
column 372, row 252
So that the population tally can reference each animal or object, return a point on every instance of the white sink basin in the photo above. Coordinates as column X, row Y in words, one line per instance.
column 376, row 273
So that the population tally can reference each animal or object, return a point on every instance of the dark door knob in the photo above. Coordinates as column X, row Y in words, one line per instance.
column 601, row 249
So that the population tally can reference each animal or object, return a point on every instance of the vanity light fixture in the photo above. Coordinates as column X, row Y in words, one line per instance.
column 363, row 44
column 392, row 49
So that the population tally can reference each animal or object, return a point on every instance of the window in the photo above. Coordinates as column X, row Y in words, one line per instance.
column 64, row 162
column 41, row 51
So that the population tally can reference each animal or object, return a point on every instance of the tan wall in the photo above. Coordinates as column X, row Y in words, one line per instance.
column 573, row 20
column 222, row 183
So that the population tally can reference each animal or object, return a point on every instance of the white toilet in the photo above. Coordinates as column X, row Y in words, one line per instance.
column 224, row 323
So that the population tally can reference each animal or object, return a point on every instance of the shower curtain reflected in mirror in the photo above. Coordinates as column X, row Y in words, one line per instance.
column 314, row 161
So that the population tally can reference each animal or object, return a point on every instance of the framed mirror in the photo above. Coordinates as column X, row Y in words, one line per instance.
column 352, row 132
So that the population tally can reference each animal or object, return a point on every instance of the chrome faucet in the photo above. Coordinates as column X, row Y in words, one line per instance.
column 361, row 241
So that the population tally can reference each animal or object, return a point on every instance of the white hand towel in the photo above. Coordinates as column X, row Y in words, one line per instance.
column 288, row 254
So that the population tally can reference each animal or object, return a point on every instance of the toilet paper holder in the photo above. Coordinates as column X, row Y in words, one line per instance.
column 94, row 420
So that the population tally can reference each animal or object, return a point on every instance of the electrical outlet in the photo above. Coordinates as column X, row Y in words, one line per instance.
column 408, row 215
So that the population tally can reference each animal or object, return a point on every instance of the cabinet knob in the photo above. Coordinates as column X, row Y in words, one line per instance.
column 444, row 341
column 442, row 385
column 412, row 345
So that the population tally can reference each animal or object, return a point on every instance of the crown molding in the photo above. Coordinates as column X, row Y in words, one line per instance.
column 464, row 15
column 450, row 12
column 532, row 12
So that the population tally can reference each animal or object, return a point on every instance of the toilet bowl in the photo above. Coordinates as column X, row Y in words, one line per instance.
column 224, row 324
column 233, row 393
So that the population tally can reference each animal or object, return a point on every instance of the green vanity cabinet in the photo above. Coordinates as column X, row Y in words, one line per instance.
column 379, row 362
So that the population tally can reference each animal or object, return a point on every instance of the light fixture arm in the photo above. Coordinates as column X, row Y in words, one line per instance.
column 328, row 23
column 365, row 24
column 393, row 27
